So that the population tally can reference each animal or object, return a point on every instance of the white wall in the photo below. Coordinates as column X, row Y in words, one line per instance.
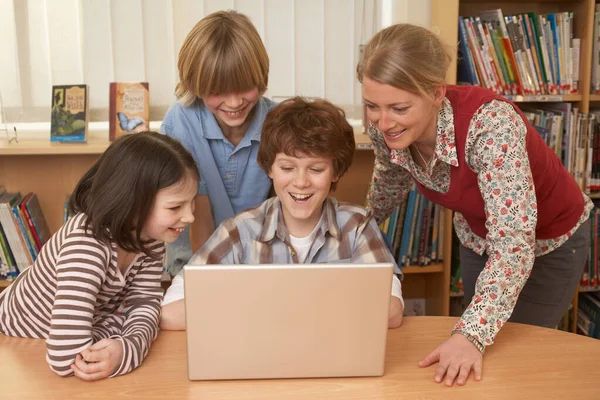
column 312, row 44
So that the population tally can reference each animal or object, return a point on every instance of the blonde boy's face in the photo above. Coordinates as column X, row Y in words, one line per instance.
column 232, row 109
column 302, row 185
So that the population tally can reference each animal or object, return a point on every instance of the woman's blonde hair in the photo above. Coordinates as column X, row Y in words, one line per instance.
column 223, row 53
column 407, row 57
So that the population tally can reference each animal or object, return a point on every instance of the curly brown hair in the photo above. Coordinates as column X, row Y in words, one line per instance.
column 299, row 126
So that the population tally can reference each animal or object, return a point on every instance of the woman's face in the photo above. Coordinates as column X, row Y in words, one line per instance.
column 402, row 117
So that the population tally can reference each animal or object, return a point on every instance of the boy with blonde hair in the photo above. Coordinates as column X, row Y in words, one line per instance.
column 223, row 74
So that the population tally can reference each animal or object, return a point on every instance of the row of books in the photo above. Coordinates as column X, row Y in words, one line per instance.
column 567, row 131
column 415, row 231
column 129, row 111
column 522, row 54
column 23, row 232
column 588, row 315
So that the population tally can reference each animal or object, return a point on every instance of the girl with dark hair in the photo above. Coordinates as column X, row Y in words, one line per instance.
column 139, row 194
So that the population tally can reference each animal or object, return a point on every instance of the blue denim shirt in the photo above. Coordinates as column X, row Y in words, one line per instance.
column 229, row 175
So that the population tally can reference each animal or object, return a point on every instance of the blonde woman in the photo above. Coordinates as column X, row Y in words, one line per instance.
column 223, row 73
column 521, row 218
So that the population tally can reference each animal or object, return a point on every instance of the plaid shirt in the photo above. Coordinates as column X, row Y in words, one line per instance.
column 346, row 234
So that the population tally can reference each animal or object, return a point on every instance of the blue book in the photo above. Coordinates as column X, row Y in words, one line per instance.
column 414, row 257
column 556, row 44
column 466, row 72
column 406, row 228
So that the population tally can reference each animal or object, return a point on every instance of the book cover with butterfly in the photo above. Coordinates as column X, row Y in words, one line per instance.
column 69, row 115
column 129, row 108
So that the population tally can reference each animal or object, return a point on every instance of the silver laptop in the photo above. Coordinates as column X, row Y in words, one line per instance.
column 286, row 321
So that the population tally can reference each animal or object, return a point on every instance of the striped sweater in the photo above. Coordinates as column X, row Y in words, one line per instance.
column 71, row 297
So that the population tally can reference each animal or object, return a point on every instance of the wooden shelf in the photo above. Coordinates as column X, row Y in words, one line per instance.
column 594, row 97
column 97, row 146
column 5, row 284
column 427, row 269
column 45, row 147
column 546, row 98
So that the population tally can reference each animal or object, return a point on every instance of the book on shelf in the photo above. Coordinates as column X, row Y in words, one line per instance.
column 69, row 116
column 589, row 278
column 588, row 315
column 593, row 153
column 521, row 54
column 66, row 214
column 595, row 70
column 129, row 108
column 567, row 320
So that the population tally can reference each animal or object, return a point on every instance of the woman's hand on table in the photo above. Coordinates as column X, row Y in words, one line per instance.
column 456, row 357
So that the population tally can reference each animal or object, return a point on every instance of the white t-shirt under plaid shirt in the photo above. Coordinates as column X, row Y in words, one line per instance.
column 345, row 233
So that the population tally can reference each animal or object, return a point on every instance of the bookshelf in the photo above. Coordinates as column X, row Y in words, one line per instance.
column 44, row 147
column 582, row 28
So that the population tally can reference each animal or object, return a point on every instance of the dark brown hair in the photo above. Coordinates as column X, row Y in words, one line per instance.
column 117, row 193
column 222, row 54
column 298, row 126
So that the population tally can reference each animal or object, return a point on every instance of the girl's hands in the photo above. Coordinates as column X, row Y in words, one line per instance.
column 456, row 357
column 99, row 360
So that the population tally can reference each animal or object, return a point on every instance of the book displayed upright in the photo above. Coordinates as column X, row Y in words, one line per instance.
column 129, row 108
column 69, row 115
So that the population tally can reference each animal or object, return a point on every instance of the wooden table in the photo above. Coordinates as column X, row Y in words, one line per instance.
column 525, row 362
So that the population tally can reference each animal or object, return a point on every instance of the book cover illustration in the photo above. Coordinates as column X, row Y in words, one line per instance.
column 129, row 109
column 69, row 117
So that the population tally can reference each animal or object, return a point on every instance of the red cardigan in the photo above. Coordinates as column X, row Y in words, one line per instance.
column 559, row 200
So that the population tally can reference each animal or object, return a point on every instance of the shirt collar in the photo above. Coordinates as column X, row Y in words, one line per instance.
column 274, row 225
column 445, row 146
